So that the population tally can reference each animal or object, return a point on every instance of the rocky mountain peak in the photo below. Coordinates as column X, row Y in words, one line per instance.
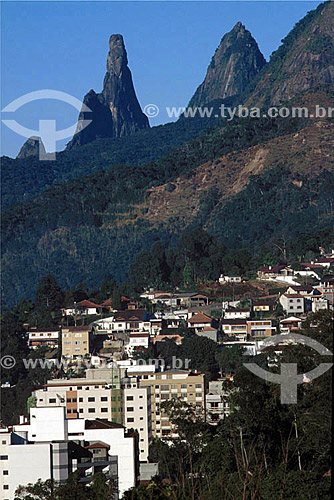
column 117, row 57
column 235, row 63
column 115, row 112
column 304, row 61
column 31, row 148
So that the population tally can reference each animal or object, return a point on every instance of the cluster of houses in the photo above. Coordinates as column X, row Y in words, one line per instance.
column 121, row 333
column 106, row 419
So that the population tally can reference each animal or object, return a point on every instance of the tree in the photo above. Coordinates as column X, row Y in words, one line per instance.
column 48, row 295
column 116, row 298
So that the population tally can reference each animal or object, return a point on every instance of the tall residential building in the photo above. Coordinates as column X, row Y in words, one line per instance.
column 108, row 448
column 137, row 413
column 168, row 385
column 99, row 395
column 75, row 341
column 102, row 395
column 217, row 402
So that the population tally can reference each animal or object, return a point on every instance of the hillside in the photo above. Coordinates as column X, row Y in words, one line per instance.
column 247, row 182
column 25, row 178
column 305, row 59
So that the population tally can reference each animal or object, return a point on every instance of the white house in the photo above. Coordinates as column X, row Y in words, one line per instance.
column 43, row 337
column 233, row 313
column 229, row 279
column 137, row 341
column 293, row 303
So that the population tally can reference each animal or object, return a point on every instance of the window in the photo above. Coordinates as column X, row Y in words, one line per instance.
column 130, row 419
column 74, row 400
column 68, row 410
column 141, row 407
column 68, row 400
column 183, row 386
column 140, row 397
column 80, row 400
column 5, row 487
column 198, row 386
column 3, row 442
column 129, row 398
column 165, row 387
column 5, row 472
column 79, row 387
column 141, row 429
column 91, row 400
column 91, row 410
column 130, row 408
column 52, row 400
column 141, row 418
column 104, row 410
column 96, row 386
column 3, row 457
column 104, row 398
column 81, row 410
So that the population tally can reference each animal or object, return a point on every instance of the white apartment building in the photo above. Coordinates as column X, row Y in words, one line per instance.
column 51, row 424
column 88, row 398
column 22, row 462
column 217, row 402
column 137, row 414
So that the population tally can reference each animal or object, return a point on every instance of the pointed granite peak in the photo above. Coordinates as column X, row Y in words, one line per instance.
column 31, row 147
column 117, row 56
column 239, row 27
column 235, row 63
column 115, row 112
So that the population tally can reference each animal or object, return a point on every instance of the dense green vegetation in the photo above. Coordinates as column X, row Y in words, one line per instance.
column 72, row 231
column 25, row 178
column 100, row 488
column 264, row 449
column 273, row 204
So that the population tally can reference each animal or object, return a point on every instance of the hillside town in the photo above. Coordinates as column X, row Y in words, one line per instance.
column 106, row 401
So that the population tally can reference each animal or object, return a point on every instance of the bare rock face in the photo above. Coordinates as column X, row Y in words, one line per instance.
column 115, row 112
column 31, row 148
column 303, row 61
column 235, row 63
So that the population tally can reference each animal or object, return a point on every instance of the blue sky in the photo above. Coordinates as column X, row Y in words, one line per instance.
column 63, row 46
